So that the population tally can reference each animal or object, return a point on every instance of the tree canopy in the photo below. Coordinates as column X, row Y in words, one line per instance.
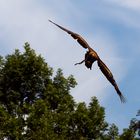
column 36, row 104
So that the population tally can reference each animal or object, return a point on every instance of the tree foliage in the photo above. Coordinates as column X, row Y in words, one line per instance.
column 36, row 104
column 131, row 132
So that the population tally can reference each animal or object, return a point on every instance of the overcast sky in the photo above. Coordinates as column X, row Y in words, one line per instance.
column 111, row 27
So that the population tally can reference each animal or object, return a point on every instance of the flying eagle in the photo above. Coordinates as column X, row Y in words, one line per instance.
column 90, row 57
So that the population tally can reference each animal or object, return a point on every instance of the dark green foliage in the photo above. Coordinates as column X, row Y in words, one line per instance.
column 23, row 79
column 128, row 134
column 88, row 122
column 131, row 132
column 113, row 132
column 36, row 104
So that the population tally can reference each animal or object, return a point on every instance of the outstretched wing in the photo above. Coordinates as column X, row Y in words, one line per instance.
column 76, row 36
column 110, row 77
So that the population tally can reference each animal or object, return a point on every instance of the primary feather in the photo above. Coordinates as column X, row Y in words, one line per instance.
column 105, row 70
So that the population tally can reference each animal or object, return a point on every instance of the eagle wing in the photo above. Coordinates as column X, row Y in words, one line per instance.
column 76, row 36
column 105, row 70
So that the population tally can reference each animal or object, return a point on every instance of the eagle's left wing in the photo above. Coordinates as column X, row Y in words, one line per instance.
column 105, row 70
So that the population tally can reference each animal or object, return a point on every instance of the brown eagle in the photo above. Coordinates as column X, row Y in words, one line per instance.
column 90, row 57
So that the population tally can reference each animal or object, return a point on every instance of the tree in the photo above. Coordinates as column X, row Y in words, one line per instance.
column 35, row 104
column 113, row 132
column 88, row 122
column 138, row 113
column 133, row 131
column 129, row 133
column 22, row 82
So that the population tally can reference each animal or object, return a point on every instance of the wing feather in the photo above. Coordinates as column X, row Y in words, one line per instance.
column 76, row 36
column 111, row 79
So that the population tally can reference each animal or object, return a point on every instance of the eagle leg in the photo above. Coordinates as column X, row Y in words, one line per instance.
column 80, row 62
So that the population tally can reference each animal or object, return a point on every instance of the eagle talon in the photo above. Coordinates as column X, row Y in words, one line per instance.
column 79, row 62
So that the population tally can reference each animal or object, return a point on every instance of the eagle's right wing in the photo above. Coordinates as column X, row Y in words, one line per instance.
column 76, row 36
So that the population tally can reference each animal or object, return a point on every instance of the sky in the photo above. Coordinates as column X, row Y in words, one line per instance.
column 112, row 29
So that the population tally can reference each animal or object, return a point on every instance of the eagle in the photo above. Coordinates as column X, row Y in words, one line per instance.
column 90, row 57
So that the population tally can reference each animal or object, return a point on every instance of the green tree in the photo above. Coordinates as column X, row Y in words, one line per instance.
column 113, row 133
column 35, row 104
column 49, row 117
column 88, row 122
column 22, row 81
column 133, row 131
column 129, row 133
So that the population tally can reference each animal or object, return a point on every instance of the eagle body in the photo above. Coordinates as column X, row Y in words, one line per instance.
column 90, row 57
